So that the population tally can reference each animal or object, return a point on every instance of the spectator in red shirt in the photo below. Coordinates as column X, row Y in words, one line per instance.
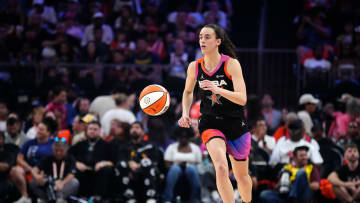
column 57, row 105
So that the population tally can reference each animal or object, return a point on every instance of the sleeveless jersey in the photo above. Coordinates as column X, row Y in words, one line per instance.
column 214, row 104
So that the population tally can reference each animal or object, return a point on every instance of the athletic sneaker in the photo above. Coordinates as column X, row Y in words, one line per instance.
column 23, row 200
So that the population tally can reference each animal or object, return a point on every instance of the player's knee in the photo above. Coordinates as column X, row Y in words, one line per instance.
column 222, row 169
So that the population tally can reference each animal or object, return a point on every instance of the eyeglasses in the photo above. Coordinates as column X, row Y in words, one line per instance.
column 60, row 139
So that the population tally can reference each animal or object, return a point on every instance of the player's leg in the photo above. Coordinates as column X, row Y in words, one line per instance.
column 217, row 150
column 243, row 179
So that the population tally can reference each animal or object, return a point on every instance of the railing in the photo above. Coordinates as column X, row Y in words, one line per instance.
column 268, row 71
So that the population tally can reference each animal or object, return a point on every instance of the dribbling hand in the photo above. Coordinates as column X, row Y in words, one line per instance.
column 184, row 122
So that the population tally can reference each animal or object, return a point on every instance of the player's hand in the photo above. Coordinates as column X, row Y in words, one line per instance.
column 208, row 85
column 184, row 122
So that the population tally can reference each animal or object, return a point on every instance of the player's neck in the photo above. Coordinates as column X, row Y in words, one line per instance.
column 212, row 60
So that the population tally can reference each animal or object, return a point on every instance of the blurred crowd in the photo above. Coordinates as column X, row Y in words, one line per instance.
column 75, row 132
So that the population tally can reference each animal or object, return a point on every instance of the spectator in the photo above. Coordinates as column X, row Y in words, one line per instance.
column 57, row 105
column 345, row 180
column 272, row 116
column 299, row 179
column 313, row 32
column 121, row 113
column 72, row 28
column 48, row 14
column 94, row 162
column 146, row 71
column 156, row 45
column 79, row 127
column 263, row 140
column 35, row 118
column 282, row 151
column 352, row 135
column 123, row 44
column 31, row 154
column 181, row 158
column 284, row 130
column 346, row 39
column 319, row 135
column 14, row 134
column 308, row 103
column 7, row 161
column 219, row 15
column 140, row 166
column 3, row 115
column 83, row 106
column 60, row 168
column 107, row 33
column 118, row 130
column 179, row 60
column 317, row 61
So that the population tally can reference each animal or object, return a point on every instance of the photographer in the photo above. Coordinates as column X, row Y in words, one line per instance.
column 53, row 178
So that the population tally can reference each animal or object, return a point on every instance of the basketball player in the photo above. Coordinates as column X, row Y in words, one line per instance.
column 223, row 97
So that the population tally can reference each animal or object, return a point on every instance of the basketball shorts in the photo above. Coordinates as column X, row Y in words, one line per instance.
column 234, row 131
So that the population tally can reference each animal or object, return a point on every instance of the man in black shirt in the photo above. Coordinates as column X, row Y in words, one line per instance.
column 61, row 169
column 8, row 154
column 139, row 168
column 346, row 180
column 94, row 162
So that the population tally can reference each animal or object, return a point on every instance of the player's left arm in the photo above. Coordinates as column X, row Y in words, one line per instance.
column 237, row 96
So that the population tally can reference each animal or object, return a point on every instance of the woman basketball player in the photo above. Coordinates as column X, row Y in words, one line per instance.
column 223, row 97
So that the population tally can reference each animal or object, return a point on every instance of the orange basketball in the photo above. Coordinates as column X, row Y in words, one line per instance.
column 154, row 100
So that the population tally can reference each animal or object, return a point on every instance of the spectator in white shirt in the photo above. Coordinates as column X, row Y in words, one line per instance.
column 308, row 102
column 121, row 113
column 282, row 152
column 181, row 158
column 263, row 140
column 107, row 34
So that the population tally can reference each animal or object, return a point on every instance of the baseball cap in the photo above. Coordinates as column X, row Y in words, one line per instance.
column 308, row 98
column 88, row 118
column 98, row 15
column 302, row 147
column 345, row 97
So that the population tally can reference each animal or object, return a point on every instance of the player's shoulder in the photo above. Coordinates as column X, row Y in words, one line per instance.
column 233, row 61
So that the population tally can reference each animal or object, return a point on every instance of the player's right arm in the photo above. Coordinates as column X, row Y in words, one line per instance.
column 187, row 98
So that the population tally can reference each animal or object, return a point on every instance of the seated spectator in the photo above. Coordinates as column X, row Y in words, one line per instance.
column 7, row 161
column 308, row 106
column 313, row 32
column 145, row 71
column 122, row 44
column 118, row 130
column 214, row 10
column 317, row 62
column 156, row 45
column 48, row 14
column 35, row 118
column 271, row 115
column 352, row 135
column 31, row 154
column 346, row 39
column 57, row 105
column 98, row 22
column 139, row 167
column 14, row 134
column 282, row 151
column 319, row 135
column 298, row 182
column 122, row 113
column 345, row 181
column 56, row 171
column 284, row 130
column 263, row 140
column 181, row 158
column 94, row 162
column 4, row 111
column 79, row 127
